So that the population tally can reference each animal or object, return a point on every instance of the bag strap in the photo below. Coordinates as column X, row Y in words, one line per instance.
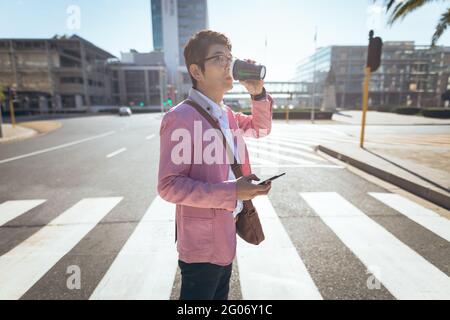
column 235, row 166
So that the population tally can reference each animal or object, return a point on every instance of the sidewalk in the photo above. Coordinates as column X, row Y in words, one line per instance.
column 420, row 165
column 385, row 119
column 25, row 130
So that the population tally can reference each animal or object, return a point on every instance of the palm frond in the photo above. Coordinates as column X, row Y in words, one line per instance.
column 398, row 10
column 404, row 8
column 442, row 25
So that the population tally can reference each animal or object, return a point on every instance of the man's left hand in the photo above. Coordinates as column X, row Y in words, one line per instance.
column 254, row 87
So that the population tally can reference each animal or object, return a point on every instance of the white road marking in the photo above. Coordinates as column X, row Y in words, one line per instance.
column 298, row 166
column 25, row 264
column 150, row 137
column 297, row 141
column 274, row 147
column 405, row 273
column 273, row 155
column 260, row 160
column 273, row 270
column 12, row 209
column 57, row 147
column 334, row 131
column 145, row 268
column 296, row 145
column 315, row 139
column 115, row 153
column 331, row 139
column 421, row 215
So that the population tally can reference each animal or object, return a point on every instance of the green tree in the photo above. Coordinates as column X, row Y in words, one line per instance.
column 398, row 10
column 2, row 98
column 2, row 95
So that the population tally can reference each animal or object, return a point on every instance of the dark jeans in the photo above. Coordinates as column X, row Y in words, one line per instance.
column 204, row 281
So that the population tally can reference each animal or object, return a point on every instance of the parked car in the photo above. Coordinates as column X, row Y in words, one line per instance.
column 124, row 111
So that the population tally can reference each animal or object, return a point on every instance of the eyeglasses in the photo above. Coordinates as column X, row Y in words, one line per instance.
column 221, row 59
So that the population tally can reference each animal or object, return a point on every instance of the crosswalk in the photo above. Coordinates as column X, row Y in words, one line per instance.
column 13, row 209
column 290, row 150
column 145, row 267
column 21, row 267
column 275, row 270
column 406, row 274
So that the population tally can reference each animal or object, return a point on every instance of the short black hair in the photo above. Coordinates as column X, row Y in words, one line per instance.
column 197, row 48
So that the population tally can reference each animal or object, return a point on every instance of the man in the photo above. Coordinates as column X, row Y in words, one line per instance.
column 207, row 195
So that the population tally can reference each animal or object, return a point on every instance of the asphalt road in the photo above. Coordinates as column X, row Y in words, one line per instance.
column 80, row 218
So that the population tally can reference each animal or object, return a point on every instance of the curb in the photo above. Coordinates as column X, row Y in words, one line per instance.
column 431, row 195
column 29, row 133
column 32, row 129
column 42, row 126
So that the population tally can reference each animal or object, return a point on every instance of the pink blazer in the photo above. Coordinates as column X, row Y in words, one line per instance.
column 204, row 199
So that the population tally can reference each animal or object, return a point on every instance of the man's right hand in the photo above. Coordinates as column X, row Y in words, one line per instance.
column 246, row 190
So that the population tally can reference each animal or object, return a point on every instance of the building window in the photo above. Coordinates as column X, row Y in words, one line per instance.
column 68, row 101
column 71, row 80
column 135, row 82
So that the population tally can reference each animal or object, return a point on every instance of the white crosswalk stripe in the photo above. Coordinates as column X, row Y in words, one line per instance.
column 273, row 270
column 423, row 216
column 297, row 141
column 316, row 137
column 295, row 145
column 278, row 148
column 312, row 139
column 405, row 273
column 10, row 210
column 261, row 161
column 285, row 153
column 145, row 268
column 25, row 264
column 276, row 156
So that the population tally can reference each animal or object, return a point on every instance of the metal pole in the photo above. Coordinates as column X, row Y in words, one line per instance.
column 1, row 118
column 11, row 112
column 314, row 78
column 161, row 91
column 365, row 101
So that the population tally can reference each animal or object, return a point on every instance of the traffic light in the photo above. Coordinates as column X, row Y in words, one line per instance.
column 373, row 63
column 141, row 104
column 171, row 95
column 374, row 52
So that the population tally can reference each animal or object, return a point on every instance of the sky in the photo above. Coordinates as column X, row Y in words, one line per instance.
column 287, row 25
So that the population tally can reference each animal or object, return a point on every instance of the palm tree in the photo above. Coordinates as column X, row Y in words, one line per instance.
column 400, row 9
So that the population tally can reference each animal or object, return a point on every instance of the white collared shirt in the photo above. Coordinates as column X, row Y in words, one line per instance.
column 219, row 112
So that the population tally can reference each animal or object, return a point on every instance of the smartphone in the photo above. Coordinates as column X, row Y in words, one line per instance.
column 271, row 179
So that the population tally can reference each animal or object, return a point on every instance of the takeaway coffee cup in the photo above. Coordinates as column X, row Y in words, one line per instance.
column 242, row 70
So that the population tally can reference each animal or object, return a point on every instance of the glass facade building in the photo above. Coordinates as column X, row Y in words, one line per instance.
column 192, row 17
column 174, row 22
column 157, row 25
column 408, row 75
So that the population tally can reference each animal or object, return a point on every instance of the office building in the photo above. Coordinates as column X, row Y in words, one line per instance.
column 409, row 75
column 53, row 74
column 174, row 22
